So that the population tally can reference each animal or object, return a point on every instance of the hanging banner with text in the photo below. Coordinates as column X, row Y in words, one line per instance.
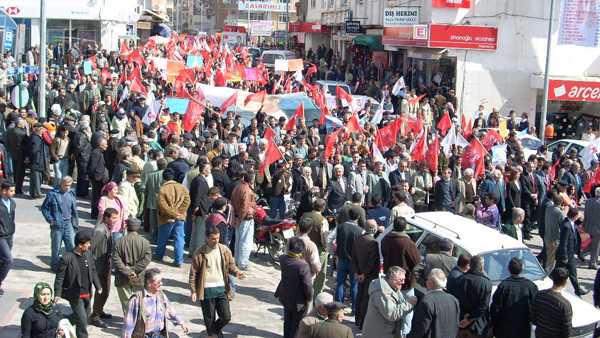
column 262, row 6
column 463, row 37
column 451, row 3
column 400, row 16
column 261, row 28
column 579, row 23
column 569, row 90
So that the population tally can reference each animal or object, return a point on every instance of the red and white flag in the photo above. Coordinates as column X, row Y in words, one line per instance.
column 229, row 102
column 272, row 155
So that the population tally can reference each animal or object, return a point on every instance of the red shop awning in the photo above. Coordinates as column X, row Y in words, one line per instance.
column 308, row 27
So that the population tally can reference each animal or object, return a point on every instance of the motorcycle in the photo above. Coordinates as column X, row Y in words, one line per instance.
column 271, row 235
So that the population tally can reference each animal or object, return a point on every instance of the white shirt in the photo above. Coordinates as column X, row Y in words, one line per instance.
column 209, row 180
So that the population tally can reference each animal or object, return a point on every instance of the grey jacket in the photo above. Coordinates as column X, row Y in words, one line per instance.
column 591, row 216
column 386, row 311
column 553, row 219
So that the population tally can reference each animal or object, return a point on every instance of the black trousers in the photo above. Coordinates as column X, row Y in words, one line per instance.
column 220, row 307
column 83, row 183
column 35, row 183
column 571, row 267
column 6, row 258
column 291, row 320
column 19, row 173
column 96, row 189
column 81, row 311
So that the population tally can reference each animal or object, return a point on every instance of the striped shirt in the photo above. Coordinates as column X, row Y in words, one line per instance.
column 154, row 316
column 552, row 314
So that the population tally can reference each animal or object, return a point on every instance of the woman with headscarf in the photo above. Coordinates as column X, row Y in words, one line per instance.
column 41, row 319
column 111, row 199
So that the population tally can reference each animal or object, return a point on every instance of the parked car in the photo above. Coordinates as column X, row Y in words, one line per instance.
column 471, row 238
column 358, row 101
column 530, row 144
column 569, row 144
column 269, row 56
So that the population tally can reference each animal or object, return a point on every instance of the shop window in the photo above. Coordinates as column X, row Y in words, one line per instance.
column 257, row 16
column 283, row 18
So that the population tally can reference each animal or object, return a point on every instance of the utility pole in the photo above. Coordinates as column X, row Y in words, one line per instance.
column 43, row 61
column 287, row 24
column 547, row 74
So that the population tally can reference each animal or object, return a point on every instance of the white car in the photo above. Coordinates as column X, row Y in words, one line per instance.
column 569, row 144
column 268, row 57
column 358, row 101
column 530, row 144
column 472, row 238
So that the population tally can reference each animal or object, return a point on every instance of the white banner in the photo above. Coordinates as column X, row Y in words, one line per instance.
column 261, row 28
column 262, row 6
column 579, row 23
column 400, row 16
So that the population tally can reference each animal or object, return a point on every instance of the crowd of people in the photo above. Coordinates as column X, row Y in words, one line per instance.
column 196, row 178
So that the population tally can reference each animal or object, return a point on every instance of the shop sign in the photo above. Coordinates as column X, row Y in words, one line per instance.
column 308, row 27
column 261, row 28
column 352, row 27
column 400, row 16
column 463, row 37
column 12, row 11
column 451, row 3
column 406, row 36
column 262, row 6
column 568, row 90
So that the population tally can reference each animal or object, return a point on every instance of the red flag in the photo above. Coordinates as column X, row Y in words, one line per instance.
column 193, row 113
column 256, row 97
column 291, row 124
column 229, row 102
column 311, row 70
column 272, row 154
column 124, row 49
column 474, row 157
column 419, row 152
column 341, row 94
column 385, row 137
column 137, row 86
column 299, row 114
column 416, row 125
column 219, row 78
column 416, row 99
column 136, row 57
column 330, row 141
column 491, row 138
column 105, row 74
column 467, row 126
column 433, row 154
column 269, row 134
column 445, row 123
column 353, row 125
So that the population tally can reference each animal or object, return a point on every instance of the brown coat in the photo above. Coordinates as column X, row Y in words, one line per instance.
column 173, row 199
column 198, row 270
column 243, row 200
column 399, row 250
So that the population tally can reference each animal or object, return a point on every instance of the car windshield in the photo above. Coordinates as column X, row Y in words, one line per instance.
column 531, row 143
column 496, row 264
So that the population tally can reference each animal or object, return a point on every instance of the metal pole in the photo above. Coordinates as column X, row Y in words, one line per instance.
column 43, row 61
column 287, row 24
column 547, row 74
column 70, row 34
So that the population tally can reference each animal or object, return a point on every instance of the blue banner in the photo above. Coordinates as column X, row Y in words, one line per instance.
column 177, row 105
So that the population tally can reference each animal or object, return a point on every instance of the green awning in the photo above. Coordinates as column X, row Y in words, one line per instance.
column 371, row 41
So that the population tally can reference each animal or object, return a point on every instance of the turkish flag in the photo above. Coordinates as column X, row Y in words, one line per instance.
column 272, row 155
column 193, row 113
column 229, row 102
column 353, row 125
column 269, row 134
column 291, row 124
column 444, row 123
column 419, row 152
column 124, row 49
column 451, row 3
column 474, row 157
column 385, row 137
column 491, row 138
column 256, row 97
column 341, row 94
column 433, row 154
column 330, row 141
column 467, row 126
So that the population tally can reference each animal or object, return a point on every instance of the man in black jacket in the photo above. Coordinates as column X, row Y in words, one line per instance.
column 199, row 206
column 568, row 249
column 38, row 155
column 473, row 291
column 529, row 197
column 446, row 192
column 97, row 173
column 295, row 290
column 76, row 274
column 7, row 228
column 346, row 234
column 437, row 314
column 16, row 137
column 511, row 303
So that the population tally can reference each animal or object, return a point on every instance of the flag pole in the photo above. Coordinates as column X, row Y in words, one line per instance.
column 547, row 74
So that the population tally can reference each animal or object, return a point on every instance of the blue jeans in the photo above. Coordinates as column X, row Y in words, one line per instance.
column 61, row 169
column 277, row 207
column 244, row 236
column 344, row 270
column 6, row 258
column 164, row 232
column 58, row 236
column 407, row 325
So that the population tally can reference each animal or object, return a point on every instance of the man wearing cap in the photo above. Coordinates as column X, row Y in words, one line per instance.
column 38, row 155
column 128, row 193
column 315, row 316
column 332, row 327
column 131, row 256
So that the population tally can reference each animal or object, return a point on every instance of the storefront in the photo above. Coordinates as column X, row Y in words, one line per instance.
column 573, row 104
column 309, row 34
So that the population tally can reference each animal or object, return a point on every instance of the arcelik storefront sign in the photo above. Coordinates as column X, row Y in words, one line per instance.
column 569, row 90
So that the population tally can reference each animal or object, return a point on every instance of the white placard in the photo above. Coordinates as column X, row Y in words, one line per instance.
column 400, row 16
column 281, row 65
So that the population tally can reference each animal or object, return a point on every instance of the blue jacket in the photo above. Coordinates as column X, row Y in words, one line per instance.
column 52, row 209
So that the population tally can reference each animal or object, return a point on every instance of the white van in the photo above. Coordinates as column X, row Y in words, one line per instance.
column 269, row 56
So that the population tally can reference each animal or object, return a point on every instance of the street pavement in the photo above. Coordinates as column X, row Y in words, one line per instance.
column 255, row 311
